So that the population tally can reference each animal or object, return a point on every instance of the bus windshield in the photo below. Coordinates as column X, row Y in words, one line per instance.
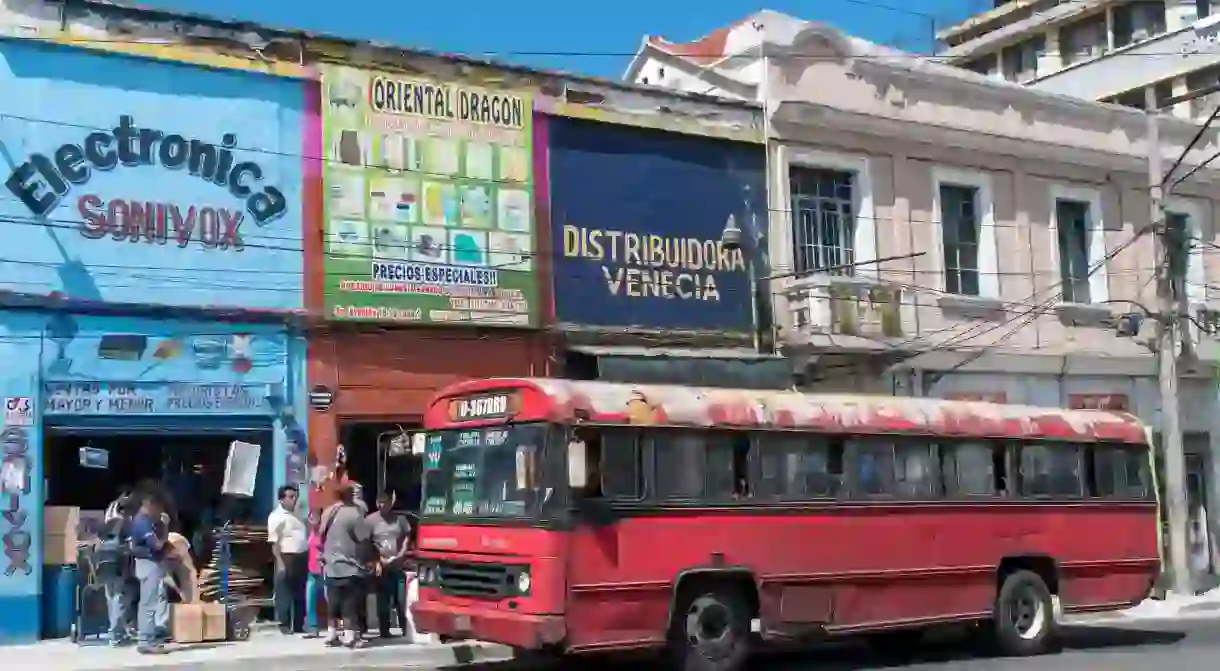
column 492, row 471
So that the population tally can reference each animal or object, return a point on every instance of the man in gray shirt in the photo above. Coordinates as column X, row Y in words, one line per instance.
column 391, row 533
column 347, row 550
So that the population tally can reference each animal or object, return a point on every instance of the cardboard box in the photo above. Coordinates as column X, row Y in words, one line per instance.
column 61, row 521
column 59, row 550
column 186, row 623
column 215, row 622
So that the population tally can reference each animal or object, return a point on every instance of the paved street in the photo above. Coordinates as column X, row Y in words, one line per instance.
column 1183, row 645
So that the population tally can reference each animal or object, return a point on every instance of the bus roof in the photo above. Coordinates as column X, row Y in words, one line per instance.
column 571, row 401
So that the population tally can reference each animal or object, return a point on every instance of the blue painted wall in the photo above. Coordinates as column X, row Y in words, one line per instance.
column 21, row 480
column 130, row 180
column 636, row 219
column 72, row 369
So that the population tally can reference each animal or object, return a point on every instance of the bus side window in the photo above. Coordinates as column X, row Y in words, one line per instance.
column 798, row 467
column 916, row 475
column 742, row 448
column 694, row 465
column 1052, row 470
column 973, row 468
column 1119, row 472
column 615, row 464
column 872, row 466
column 592, row 438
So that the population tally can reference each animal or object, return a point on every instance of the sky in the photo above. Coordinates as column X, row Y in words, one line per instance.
column 594, row 38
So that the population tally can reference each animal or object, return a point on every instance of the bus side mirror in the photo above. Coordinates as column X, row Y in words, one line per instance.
column 578, row 464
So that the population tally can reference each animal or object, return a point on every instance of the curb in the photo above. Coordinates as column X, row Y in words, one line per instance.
column 1203, row 614
column 451, row 654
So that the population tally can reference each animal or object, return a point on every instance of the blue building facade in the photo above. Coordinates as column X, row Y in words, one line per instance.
column 152, row 256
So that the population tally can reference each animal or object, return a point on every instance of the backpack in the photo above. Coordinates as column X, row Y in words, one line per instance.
column 112, row 557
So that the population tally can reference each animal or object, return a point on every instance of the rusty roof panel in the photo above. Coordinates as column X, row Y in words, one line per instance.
column 665, row 405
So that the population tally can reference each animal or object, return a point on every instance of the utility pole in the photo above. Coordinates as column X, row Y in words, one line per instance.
column 1167, row 342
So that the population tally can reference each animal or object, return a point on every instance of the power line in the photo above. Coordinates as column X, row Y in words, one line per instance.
column 895, row 55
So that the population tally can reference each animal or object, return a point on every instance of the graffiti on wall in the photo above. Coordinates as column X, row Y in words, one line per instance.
column 14, row 485
column 205, row 362
column 171, row 185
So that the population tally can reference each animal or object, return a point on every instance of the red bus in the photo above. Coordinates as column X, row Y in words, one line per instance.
column 575, row 517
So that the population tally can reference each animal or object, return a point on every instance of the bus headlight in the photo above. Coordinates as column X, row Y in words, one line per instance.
column 427, row 575
column 523, row 582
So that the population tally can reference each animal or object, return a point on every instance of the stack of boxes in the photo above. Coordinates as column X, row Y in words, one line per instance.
column 65, row 528
column 61, row 535
column 198, row 622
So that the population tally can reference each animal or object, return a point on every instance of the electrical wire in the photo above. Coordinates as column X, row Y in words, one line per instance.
column 895, row 55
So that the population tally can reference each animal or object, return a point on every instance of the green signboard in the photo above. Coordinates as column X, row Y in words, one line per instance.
column 428, row 201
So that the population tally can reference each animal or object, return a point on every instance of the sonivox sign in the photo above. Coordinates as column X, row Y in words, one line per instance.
column 42, row 181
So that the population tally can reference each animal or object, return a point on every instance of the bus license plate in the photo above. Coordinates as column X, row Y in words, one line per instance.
column 461, row 623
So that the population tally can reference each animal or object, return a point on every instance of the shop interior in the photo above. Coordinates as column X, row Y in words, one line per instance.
column 88, row 468
column 378, row 456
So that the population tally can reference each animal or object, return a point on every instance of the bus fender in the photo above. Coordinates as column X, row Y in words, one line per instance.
column 702, row 572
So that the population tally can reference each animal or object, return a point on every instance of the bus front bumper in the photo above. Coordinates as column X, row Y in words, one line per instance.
column 518, row 630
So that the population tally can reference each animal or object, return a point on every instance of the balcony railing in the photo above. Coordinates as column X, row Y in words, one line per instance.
column 1139, row 64
column 861, row 307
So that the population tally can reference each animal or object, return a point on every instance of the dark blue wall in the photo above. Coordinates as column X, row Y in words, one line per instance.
column 617, row 192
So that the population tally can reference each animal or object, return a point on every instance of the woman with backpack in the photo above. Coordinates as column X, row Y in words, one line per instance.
column 112, row 561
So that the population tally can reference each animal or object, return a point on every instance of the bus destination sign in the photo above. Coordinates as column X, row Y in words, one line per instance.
column 482, row 407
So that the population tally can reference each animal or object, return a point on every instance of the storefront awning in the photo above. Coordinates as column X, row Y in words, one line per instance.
column 174, row 426
column 727, row 353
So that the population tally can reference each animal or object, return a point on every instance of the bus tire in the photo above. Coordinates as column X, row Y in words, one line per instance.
column 710, row 629
column 1023, row 617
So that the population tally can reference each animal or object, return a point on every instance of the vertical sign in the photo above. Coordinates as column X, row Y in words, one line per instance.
column 429, row 213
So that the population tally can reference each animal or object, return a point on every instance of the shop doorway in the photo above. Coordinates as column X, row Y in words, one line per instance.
column 87, row 468
column 379, row 458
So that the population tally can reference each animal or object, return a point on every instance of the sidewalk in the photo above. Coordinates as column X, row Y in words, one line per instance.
column 1173, row 606
column 266, row 651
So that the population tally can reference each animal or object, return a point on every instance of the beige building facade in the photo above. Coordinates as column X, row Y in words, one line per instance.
column 1109, row 50
column 1011, row 227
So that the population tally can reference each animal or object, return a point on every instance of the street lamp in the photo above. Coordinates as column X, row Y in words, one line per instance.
column 730, row 237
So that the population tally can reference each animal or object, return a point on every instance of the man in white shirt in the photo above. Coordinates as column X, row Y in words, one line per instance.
column 289, row 536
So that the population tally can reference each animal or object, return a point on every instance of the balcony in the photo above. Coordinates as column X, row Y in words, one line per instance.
column 845, row 313
column 1139, row 64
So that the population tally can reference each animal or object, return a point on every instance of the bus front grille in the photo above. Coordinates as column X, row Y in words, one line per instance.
column 475, row 579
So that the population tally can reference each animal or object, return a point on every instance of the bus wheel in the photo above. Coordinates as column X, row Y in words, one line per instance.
column 711, row 630
column 1023, row 618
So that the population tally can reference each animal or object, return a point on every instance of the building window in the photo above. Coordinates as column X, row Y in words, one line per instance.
column 1198, row 81
column 1073, row 227
column 959, row 229
column 1182, row 222
column 987, row 65
column 823, row 220
column 1084, row 40
column 1138, row 21
column 1021, row 60
column 1162, row 92
column 1203, row 8
column 1133, row 99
